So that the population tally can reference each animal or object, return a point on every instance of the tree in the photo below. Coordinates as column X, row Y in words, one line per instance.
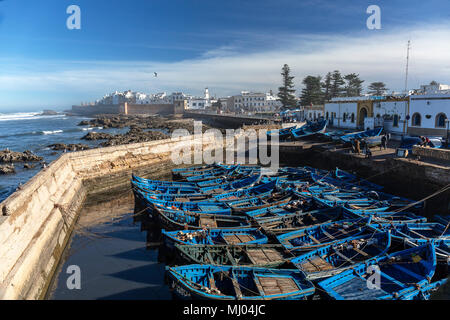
column 433, row 83
column 312, row 92
column 353, row 86
column 326, row 85
column 336, row 84
column 377, row 88
column 286, row 92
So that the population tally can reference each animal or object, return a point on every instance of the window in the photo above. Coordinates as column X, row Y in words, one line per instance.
column 395, row 120
column 416, row 120
column 353, row 117
column 344, row 119
column 440, row 120
column 327, row 115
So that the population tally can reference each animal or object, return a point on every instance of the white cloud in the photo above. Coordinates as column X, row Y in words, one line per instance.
column 375, row 55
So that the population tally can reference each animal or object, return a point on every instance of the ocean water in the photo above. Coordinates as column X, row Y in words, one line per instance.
column 35, row 132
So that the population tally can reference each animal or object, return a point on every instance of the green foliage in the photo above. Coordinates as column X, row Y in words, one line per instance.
column 286, row 91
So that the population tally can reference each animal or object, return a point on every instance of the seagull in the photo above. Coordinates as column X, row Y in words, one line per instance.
column 155, row 74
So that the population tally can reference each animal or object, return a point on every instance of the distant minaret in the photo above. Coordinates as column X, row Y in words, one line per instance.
column 206, row 94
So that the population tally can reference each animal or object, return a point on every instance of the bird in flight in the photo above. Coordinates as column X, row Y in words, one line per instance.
column 155, row 74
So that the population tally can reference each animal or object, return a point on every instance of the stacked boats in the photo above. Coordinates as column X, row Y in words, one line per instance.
column 232, row 232
column 309, row 129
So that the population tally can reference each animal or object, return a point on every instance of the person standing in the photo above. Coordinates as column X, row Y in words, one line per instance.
column 383, row 142
column 357, row 146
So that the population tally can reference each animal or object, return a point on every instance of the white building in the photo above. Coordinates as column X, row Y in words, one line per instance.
column 434, row 88
column 200, row 102
column 254, row 101
column 429, row 114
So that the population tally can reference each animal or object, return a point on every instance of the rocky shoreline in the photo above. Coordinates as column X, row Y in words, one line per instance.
column 9, row 157
column 141, row 129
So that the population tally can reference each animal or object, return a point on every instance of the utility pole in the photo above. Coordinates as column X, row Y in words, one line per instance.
column 407, row 66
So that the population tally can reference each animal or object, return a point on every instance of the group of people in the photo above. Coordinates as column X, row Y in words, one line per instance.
column 356, row 145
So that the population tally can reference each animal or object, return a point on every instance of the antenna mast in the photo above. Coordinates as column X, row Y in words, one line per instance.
column 407, row 66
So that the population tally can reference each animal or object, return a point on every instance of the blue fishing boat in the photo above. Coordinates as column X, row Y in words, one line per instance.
column 193, row 282
column 145, row 181
column 179, row 219
column 254, row 255
column 200, row 207
column 283, row 134
column 400, row 273
column 425, row 292
column 389, row 218
column 309, row 129
column 262, row 189
column 214, row 236
column 324, row 234
column 342, row 255
column 352, row 179
column 445, row 220
column 280, row 224
column 360, row 135
column 423, row 231
column 355, row 205
column 259, row 202
column 229, row 186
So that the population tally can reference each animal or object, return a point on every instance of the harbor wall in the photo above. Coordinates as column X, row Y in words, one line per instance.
column 36, row 221
column 225, row 121
column 403, row 177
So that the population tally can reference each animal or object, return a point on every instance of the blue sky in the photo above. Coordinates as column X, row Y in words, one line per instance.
column 226, row 45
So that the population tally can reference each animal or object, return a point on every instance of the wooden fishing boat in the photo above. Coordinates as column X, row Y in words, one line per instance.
column 280, row 210
column 238, row 236
column 309, row 129
column 258, row 190
column 200, row 207
column 445, row 220
column 237, row 283
column 197, row 168
column 390, row 218
column 194, row 176
column 283, row 134
column 255, row 203
column 167, row 189
column 400, row 273
column 324, row 234
column 350, row 178
column 255, row 255
column 179, row 219
column 425, row 292
column 355, row 205
column 145, row 181
column 422, row 231
column 230, row 186
column 442, row 247
column 359, row 135
column 340, row 256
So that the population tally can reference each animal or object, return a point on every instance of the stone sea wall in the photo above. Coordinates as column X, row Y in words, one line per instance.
column 36, row 221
